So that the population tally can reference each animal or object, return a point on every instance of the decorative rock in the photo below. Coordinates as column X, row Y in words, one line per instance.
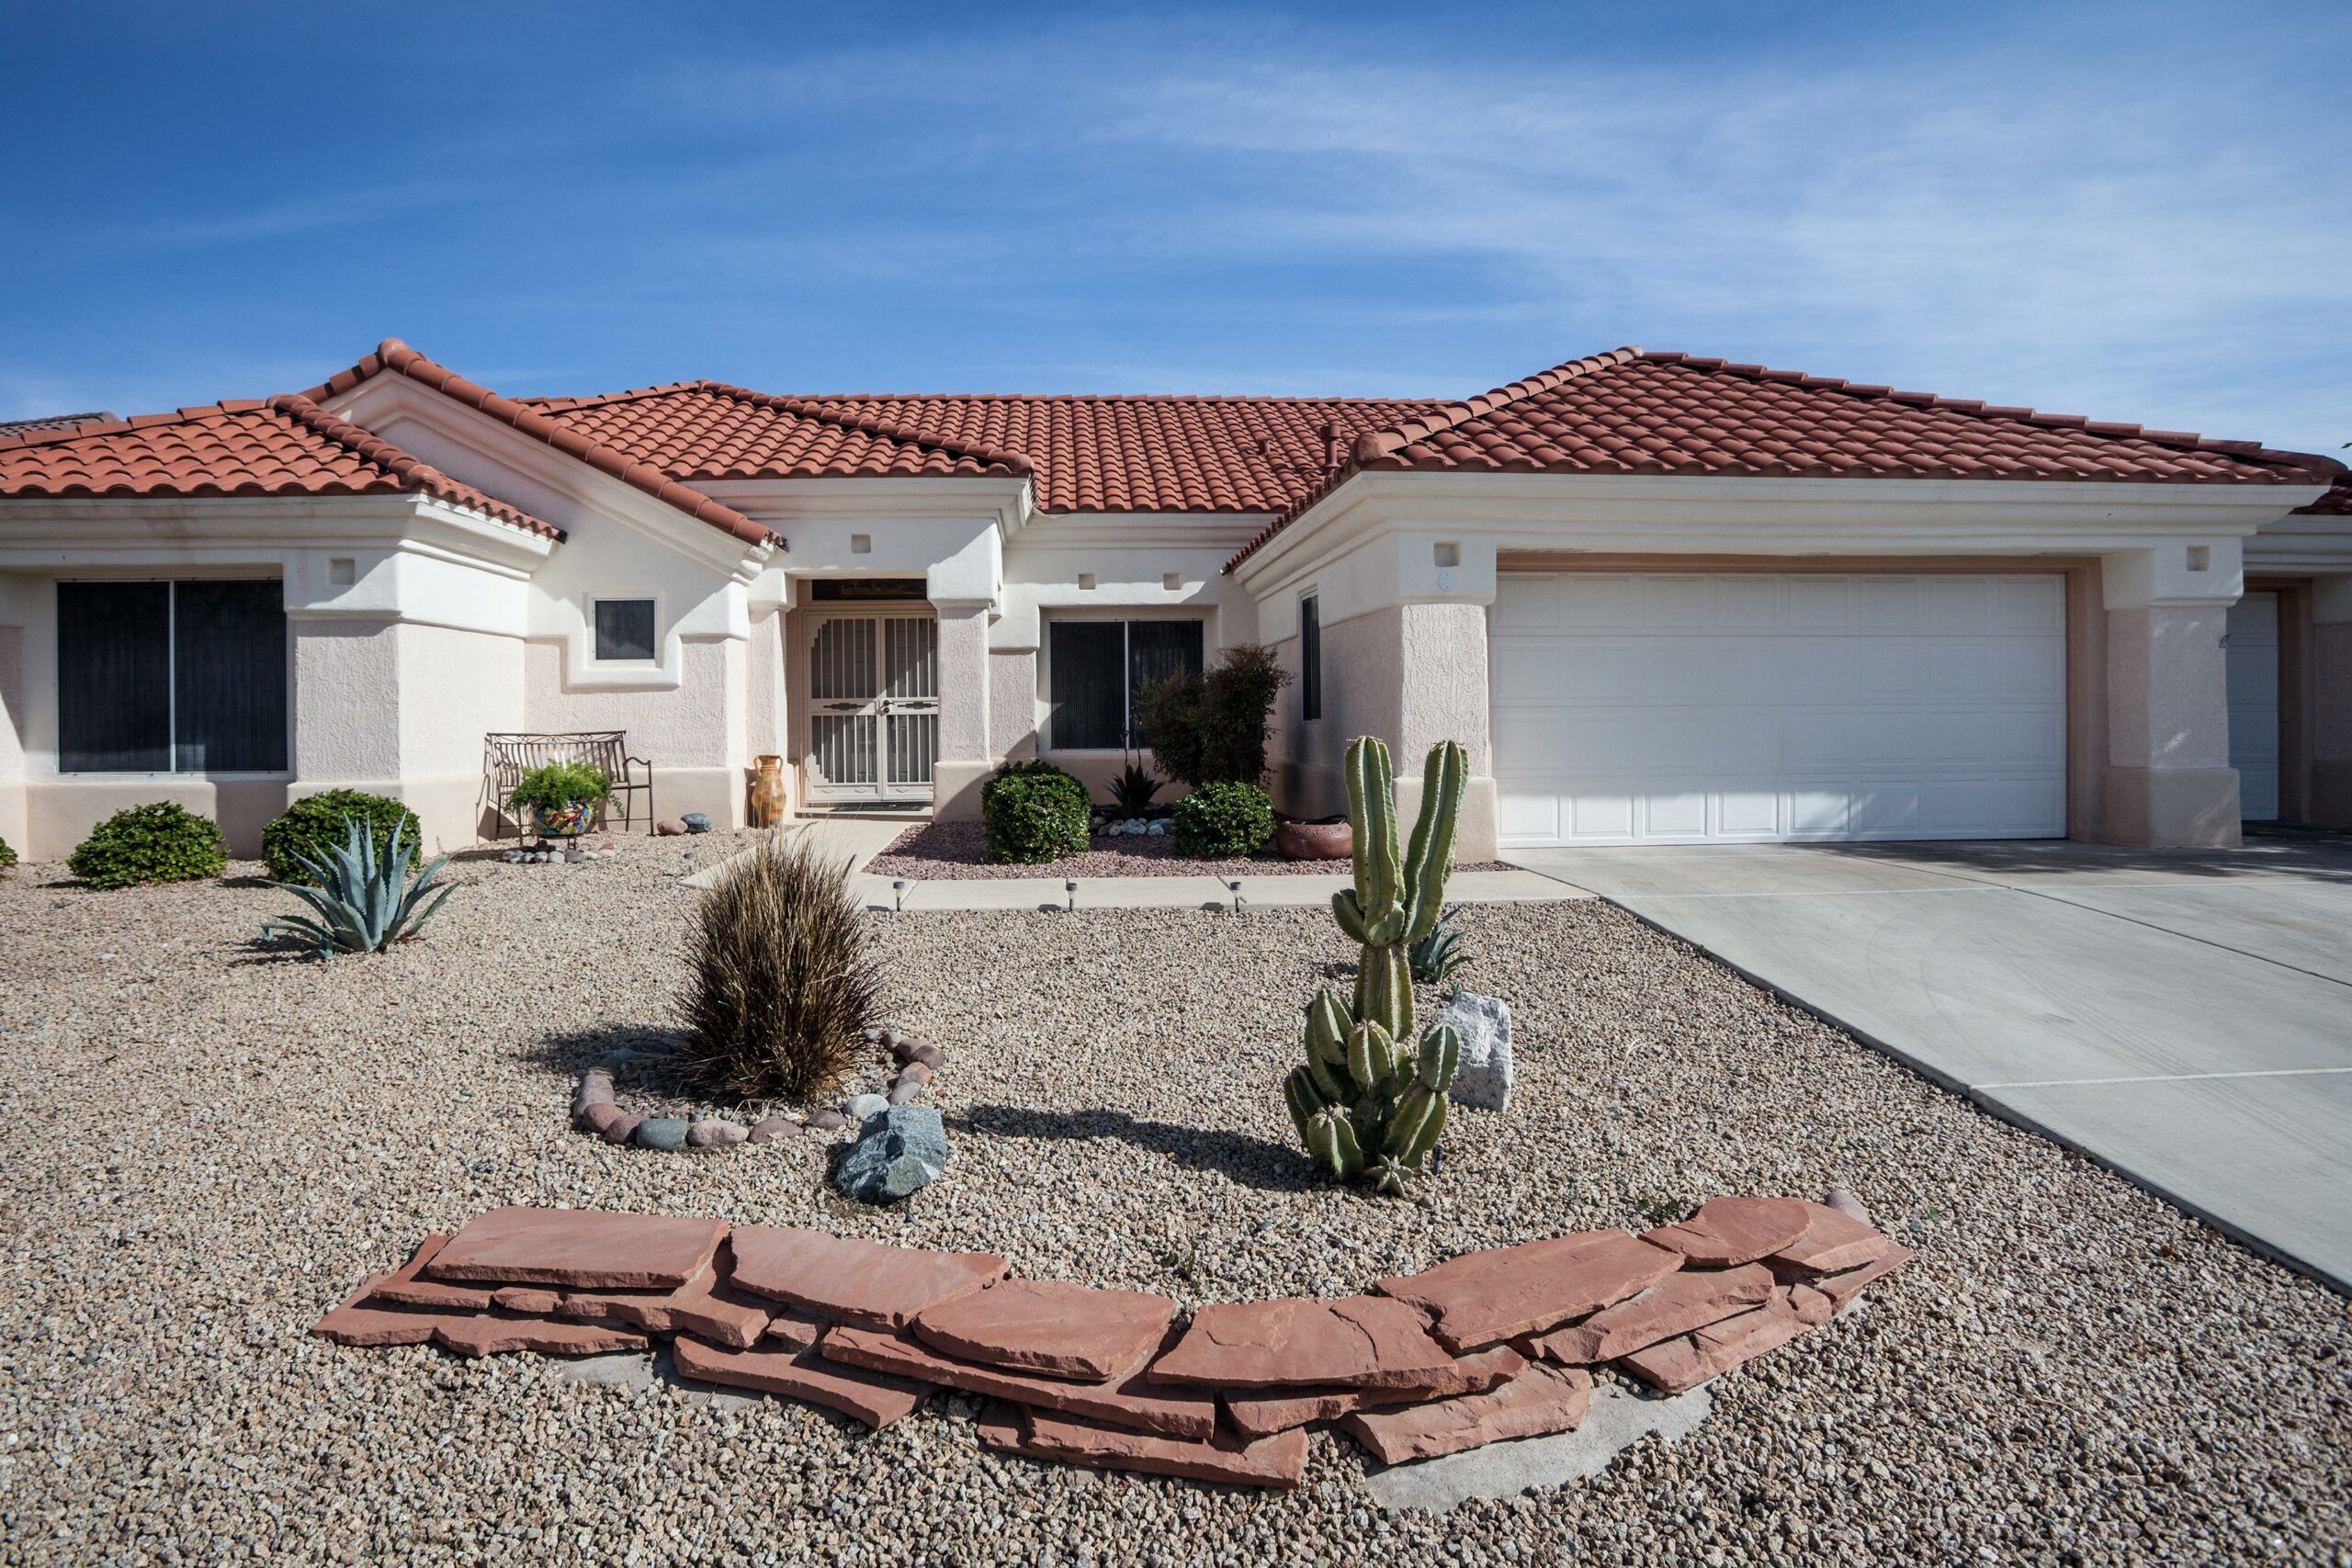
column 826, row 1121
column 503, row 1335
column 905, row 1091
column 1540, row 1400
column 871, row 1398
column 858, row 1107
column 1279, row 1413
column 1278, row 1461
column 1676, row 1304
column 601, row 1116
column 930, row 1055
column 711, row 1304
column 1726, row 1232
column 670, row 827
column 663, row 1132
column 1484, row 1081
column 1358, row 1342
column 1684, row 1363
column 696, row 822
column 904, row 1048
column 1841, row 1288
column 588, row 1248
column 1846, row 1203
column 1052, row 1326
column 770, row 1129
column 715, row 1132
column 1832, row 1244
column 1506, row 1292
column 917, row 1071
column 1131, row 1401
column 797, row 1330
column 874, row 1034
column 865, row 1282
column 623, row 1128
column 900, row 1150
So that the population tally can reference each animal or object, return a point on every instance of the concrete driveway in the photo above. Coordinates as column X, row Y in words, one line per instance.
column 2186, row 1016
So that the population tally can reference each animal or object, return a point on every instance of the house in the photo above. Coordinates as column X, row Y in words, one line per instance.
column 1662, row 599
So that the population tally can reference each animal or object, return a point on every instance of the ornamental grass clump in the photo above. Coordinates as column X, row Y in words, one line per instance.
column 156, row 843
column 782, row 978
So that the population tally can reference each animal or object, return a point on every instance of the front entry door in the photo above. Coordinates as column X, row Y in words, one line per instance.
column 873, row 706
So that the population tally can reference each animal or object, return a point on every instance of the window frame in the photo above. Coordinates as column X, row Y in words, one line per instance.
column 1310, row 658
column 173, row 740
column 1124, row 619
column 596, row 655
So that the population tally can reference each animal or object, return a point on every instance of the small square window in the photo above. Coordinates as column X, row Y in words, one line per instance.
column 343, row 572
column 624, row 629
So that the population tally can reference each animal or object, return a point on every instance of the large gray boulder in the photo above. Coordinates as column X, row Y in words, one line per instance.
column 1484, row 1023
column 900, row 1150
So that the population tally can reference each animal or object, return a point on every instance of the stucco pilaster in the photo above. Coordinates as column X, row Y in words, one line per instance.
column 964, row 692
column 2169, row 782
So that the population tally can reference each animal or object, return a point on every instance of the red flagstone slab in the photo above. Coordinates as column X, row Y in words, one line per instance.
column 583, row 1249
column 1727, row 1232
column 708, row 1304
column 1681, row 1302
column 404, row 1287
column 864, row 1282
column 492, row 1336
column 1507, row 1292
column 1051, row 1327
column 1129, row 1401
column 795, row 1329
column 1834, row 1243
column 357, row 1321
column 1841, row 1288
column 871, row 1398
column 1277, row 1461
column 1540, row 1400
column 1469, row 1374
column 1674, row 1366
column 1358, row 1342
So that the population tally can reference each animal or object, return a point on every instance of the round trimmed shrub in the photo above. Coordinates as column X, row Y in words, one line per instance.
column 7, row 855
column 1223, row 821
column 317, row 823
column 1033, row 812
column 157, row 842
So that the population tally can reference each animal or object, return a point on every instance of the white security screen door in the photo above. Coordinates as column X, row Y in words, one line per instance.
column 873, row 706
column 2253, row 667
column 1691, row 707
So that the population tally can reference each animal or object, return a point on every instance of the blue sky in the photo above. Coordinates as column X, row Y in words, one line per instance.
column 2132, row 211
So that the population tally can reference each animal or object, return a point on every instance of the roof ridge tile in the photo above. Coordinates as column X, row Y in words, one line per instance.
column 413, row 472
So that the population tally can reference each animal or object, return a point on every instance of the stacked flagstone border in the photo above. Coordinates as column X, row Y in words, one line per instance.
column 1491, row 1345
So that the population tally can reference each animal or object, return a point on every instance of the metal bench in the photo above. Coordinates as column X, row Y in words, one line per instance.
column 506, row 757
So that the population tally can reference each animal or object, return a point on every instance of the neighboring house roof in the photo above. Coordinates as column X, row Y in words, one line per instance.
column 1628, row 411
column 53, row 421
column 395, row 357
column 2337, row 502
column 1087, row 454
column 288, row 446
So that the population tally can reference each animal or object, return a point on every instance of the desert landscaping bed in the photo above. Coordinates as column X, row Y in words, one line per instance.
column 951, row 852
column 206, row 1142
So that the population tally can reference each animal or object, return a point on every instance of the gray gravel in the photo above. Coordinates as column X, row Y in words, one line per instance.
column 203, row 1146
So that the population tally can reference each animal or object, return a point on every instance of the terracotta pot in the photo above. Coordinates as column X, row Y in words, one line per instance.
column 1332, row 840
column 767, row 791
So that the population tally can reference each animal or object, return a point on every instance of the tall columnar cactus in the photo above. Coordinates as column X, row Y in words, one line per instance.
column 1370, row 1100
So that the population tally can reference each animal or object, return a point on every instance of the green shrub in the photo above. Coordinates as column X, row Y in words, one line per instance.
column 1223, row 821
column 7, row 855
column 782, row 978
column 317, row 824
column 1033, row 812
column 158, row 843
column 1211, row 727
column 559, row 785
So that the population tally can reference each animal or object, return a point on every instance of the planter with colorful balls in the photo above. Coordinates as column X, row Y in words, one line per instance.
column 563, row 797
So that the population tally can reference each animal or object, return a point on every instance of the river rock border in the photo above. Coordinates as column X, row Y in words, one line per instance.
column 596, row 1106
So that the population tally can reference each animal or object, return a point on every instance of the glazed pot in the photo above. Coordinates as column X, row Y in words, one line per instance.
column 567, row 821
column 1330, row 839
column 767, row 791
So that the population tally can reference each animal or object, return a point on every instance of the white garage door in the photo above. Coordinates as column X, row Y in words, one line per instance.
column 1641, row 708
column 2252, row 668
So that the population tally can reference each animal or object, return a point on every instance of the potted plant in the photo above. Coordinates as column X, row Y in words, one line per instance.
column 1326, row 838
column 563, row 797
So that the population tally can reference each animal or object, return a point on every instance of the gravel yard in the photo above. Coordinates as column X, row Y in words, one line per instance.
column 204, row 1144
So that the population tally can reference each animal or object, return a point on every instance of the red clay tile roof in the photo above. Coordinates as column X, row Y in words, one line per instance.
column 288, row 446
column 1087, row 454
column 393, row 355
column 54, row 422
column 2337, row 502
column 1628, row 411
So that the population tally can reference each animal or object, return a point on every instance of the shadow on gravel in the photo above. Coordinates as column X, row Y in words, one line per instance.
column 1254, row 1162
column 574, row 1052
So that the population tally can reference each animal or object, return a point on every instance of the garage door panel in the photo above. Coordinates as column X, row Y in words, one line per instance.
column 1679, row 708
column 1525, row 601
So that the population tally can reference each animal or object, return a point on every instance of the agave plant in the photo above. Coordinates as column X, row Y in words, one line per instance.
column 1132, row 789
column 364, row 902
column 1438, row 954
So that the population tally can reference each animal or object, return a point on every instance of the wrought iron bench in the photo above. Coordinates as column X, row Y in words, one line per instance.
column 506, row 757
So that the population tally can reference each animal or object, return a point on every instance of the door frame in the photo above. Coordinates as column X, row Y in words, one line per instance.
column 802, row 671
column 2294, row 705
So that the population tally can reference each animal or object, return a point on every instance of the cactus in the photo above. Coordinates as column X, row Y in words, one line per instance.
column 1370, row 1100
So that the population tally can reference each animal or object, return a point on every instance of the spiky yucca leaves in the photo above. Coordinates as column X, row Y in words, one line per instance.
column 1370, row 1100
column 782, row 978
column 363, row 901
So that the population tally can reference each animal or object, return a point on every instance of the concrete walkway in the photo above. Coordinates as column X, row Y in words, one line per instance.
column 2185, row 1016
